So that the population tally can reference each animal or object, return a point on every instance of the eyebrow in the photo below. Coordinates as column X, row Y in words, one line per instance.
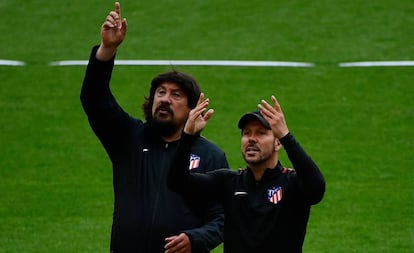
column 166, row 86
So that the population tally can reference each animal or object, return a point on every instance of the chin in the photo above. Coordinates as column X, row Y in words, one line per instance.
column 163, row 121
column 160, row 117
column 251, row 160
column 165, row 127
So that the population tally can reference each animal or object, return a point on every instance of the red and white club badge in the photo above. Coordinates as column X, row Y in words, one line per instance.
column 275, row 194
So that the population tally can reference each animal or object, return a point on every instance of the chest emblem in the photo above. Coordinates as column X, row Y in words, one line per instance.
column 275, row 194
column 194, row 162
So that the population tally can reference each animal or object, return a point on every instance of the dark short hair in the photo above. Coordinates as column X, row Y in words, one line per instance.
column 186, row 82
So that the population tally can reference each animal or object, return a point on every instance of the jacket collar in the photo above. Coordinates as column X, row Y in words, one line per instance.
column 268, row 173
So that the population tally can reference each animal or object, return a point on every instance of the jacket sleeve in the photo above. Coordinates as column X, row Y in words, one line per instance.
column 193, row 185
column 308, row 173
column 210, row 235
column 107, row 119
column 178, row 175
column 196, row 186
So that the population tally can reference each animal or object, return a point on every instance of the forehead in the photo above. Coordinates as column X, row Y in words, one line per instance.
column 170, row 86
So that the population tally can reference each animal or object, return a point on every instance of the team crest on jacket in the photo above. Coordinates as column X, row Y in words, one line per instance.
column 194, row 161
column 274, row 194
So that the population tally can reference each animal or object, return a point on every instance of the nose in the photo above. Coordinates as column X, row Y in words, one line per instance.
column 252, row 138
column 166, row 99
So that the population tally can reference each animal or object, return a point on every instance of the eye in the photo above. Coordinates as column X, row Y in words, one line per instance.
column 160, row 92
column 177, row 94
column 263, row 132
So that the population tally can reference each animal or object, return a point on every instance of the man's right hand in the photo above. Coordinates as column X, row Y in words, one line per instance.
column 113, row 32
column 198, row 117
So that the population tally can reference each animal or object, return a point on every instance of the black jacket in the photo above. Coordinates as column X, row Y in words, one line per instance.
column 265, row 216
column 145, row 210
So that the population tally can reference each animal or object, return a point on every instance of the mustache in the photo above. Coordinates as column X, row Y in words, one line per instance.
column 164, row 107
column 252, row 147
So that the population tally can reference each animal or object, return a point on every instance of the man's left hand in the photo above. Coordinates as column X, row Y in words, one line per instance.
column 178, row 244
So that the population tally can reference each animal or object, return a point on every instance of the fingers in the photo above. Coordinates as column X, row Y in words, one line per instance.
column 114, row 18
column 208, row 114
column 202, row 104
column 178, row 244
column 276, row 104
column 200, row 98
column 274, row 115
column 118, row 16
column 118, row 9
column 124, row 26
column 267, row 109
column 170, row 241
column 201, row 112
column 270, row 113
column 198, row 116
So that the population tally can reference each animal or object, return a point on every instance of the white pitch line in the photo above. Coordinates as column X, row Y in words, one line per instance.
column 233, row 63
column 376, row 64
column 215, row 63
column 11, row 63
column 192, row 63
column 69, row 63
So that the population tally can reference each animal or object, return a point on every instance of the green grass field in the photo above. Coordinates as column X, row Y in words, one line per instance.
column 56, row 191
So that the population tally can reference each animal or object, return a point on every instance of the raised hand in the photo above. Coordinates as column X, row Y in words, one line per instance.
column 113, row 32
column 275, row 117
column 198, row 117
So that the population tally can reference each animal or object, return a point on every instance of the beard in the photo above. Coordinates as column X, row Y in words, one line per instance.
column 165, row 128
column 254, row 161
column 262, row 157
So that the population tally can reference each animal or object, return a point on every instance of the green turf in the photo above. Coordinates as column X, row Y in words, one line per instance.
column 355, row 122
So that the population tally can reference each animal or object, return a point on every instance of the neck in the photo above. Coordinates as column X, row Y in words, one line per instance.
column 257, row 172
column 259, row 168
column 173, row 137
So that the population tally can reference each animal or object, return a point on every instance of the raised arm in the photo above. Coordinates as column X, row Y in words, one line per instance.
column 178, row 176
column 108, row 120
column 308, row 173
column 196, row 186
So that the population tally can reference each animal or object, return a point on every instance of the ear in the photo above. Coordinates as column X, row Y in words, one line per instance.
column 278, row 145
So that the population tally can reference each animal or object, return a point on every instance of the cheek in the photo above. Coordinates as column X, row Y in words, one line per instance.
column 181, row 105
column 155, row 103
column 181, row 111
column 154, row 107
column 178, row 105
column 244, row 141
